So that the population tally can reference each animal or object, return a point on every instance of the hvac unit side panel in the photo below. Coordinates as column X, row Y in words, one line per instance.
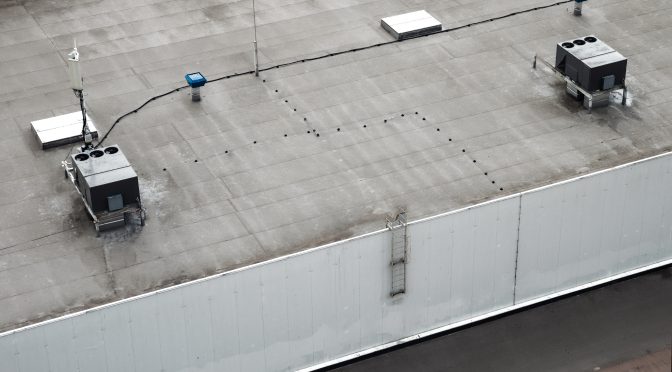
column 223, row 309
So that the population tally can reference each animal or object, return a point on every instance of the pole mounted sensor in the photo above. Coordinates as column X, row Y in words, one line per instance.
column 74, row 70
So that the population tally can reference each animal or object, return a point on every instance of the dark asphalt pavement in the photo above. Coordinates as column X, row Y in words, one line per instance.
column 585, row 332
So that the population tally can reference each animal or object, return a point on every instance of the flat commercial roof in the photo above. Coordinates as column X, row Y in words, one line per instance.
column 428, row 125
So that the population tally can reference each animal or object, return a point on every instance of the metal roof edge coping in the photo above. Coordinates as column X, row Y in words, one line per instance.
column 383, row 230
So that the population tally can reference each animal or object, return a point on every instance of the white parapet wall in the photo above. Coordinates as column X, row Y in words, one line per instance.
column 332, row 302
column 594, row 227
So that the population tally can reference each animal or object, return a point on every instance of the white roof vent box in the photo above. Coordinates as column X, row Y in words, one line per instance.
column 409, row 25
column 62, row 130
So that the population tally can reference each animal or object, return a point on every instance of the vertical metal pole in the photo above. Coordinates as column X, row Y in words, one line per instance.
column 578, row 4
column 534, row 63
column 80, row 93
column 256, row 55
column 195, row 94
column 256, row 60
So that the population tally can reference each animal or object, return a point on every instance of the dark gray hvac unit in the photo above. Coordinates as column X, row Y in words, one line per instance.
column 105, row 179
column 590, row 63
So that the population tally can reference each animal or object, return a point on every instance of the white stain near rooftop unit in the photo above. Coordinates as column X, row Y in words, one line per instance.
column 408, row 25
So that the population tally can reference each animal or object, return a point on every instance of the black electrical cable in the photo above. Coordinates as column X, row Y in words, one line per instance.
column 100, row 142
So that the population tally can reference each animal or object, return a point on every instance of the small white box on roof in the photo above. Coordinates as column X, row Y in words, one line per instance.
column 408, row 25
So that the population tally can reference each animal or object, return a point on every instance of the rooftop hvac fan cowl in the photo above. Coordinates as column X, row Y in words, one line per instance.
column 107, row 184
column 590, row 63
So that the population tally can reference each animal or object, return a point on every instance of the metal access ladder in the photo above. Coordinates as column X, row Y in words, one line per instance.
column 399, row 250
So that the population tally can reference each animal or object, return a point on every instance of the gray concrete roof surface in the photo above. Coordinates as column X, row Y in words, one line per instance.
column 216, row 200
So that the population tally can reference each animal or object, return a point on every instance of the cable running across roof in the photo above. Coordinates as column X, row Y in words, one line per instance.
column 333, row 54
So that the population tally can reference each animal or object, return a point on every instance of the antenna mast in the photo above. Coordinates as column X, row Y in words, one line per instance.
column 256, row 54
column 77, row 85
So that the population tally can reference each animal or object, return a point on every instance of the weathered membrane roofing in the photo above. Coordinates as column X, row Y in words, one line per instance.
column 414, row 125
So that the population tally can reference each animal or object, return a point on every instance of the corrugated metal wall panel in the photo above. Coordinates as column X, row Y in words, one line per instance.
column 144, row 334
column 347, row 335
column 198, row 325
column 223, row 306
column 10, row 361
column 592, row 228
column 663, row 198
column 89, row 343
column 275, row 309
column 117, row 335
column 249, row 313
column 172, row 330
column 374, row 286
column 329, row 302
column 300, row 314
column 31, row 352
column 59, row 338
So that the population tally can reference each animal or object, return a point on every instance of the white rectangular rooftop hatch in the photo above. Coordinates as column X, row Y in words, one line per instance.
column 404, row 26
column 61, row 130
